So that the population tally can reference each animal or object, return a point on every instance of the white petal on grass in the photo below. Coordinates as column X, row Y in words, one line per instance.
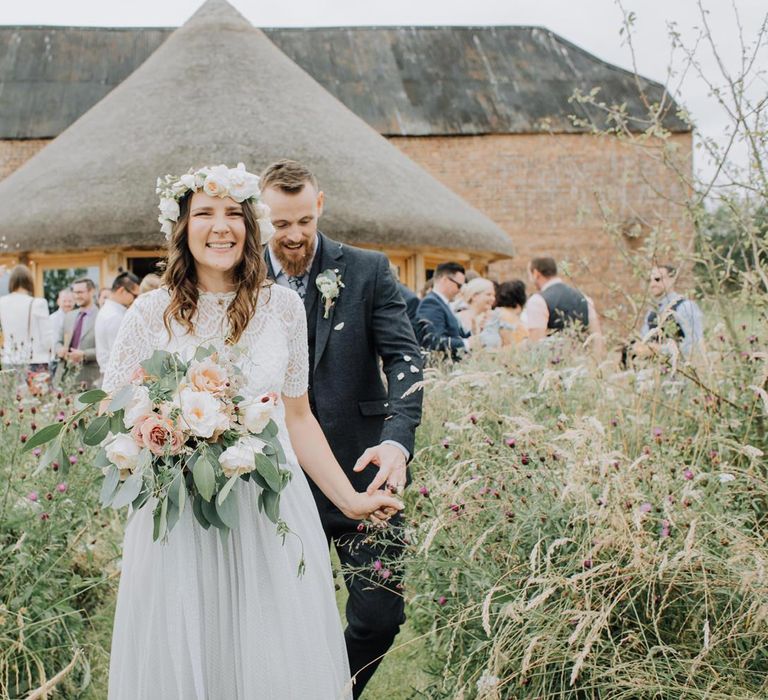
column 725, row 477
column 400, row 376
column 338, row 326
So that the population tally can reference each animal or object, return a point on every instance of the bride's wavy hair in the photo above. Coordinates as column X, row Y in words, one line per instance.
column 180, row 275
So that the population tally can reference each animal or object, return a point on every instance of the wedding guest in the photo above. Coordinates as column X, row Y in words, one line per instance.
column 510, row 301
column 149, row 282
column 65, row 302
column 124, row 290
column 409, row 297
column 354, row 330
column 460, row 303
column 477, row 318
column 103, row 296
column 25, row 325
column 556, row 307
column 76, row 347
column 672, row 317
column 439, row 328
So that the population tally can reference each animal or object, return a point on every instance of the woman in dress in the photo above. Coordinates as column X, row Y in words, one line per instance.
column 510, row 300
column 26, row 327
column 478, row 318
column 206, row 617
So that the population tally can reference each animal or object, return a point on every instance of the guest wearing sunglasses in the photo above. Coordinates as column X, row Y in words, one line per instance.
column 672, row 316
column 439, row 328
column 124, row 290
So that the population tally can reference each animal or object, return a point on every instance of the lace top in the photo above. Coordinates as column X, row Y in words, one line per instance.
column 272, row 351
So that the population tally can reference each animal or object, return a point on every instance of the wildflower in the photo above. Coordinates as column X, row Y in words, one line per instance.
column 32, row 496
column 664, row 529
column 524, row 459
column 49, row 496
column 442, row 600
column 473, row 419
column 646, row 507
column 657, row 434
column 614, row 422
column 55, row 466
column 586, row 564
column 60, row 416
column 446, row 443
column 377, row 565
column 62, row 487
column 455, row 507
column 510, row 442
column 385, row 574
column 424, row 491
column 37, row 452
column 688, row 475
column 23, row 437
column 44, row 516
column 72, row 459
column 360, row 527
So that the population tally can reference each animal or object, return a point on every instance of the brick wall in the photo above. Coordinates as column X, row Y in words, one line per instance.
column 554, row 194
column 13, row 154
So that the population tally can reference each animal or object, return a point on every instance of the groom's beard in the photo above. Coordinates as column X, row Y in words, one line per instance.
column 297, row 263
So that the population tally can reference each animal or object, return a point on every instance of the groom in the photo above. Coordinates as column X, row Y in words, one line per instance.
column 355, row 317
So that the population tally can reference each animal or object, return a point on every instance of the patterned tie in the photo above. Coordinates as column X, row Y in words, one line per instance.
column 297, row 285
column 77, row 331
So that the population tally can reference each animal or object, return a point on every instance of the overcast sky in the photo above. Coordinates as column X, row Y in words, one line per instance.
column 592, row 24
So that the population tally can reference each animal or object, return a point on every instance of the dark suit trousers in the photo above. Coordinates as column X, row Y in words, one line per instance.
column 375, row 607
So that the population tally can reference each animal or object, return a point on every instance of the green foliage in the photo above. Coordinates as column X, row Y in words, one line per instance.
column 580, row 532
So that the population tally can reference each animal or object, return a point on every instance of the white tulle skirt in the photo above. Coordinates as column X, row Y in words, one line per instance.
column 201, row 618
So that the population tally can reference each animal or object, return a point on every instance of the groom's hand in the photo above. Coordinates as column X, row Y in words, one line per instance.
column 391, row 463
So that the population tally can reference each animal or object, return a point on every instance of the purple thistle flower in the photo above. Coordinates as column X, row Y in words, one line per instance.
column 424, row 491
column 442, row 600
column 377, row 565
column 62, row 487
column 688, row 475
column 32, row 496
column 646, row 507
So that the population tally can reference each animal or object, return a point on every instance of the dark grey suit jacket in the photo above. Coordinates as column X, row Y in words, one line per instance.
column 367, row 323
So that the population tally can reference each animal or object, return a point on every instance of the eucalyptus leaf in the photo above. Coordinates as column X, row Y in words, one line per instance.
column 173, row 515
column 143, row 497
column 209, row 510
column 100, row 460
column 160, row 518
column 46, row 434
column 51, row 453
column 222, row 495
column 269, row 431
column 227, row 512
column 121, row 398
column 270, row 501
column 205, row 477
column 128, row 491
column 268, row 470
column 116, row 423
column 97, row 430
column 91, row 397
column 259, row 479
column 108, row 487
column 197, row 511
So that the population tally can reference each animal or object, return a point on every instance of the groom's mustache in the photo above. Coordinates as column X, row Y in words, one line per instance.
column 295, row 259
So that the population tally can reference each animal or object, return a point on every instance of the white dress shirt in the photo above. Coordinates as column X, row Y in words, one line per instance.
column 107, row 325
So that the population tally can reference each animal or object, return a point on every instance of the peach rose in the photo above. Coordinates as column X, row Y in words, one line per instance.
column 207, row 375
column 159, row 434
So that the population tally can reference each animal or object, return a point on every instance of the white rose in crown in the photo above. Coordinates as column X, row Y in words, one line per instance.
column 242, row 184
column 217, row 181
column 201, row 413
column 123, row 452
column 240, row 458
column 256, row 413
column 329, row 285
column 139, row 405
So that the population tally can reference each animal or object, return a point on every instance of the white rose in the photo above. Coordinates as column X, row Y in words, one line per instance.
column 242, row 185
column 263, row 211
column 240, row 458
column 217, row 181
column 123, row 452
column 256, row 413
column 188, row 181
column 140, row 405
column 169, row 209
column 201, row 413
column 266, row 229
column 166, row 226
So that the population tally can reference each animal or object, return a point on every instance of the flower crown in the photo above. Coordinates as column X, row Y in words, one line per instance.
column 216, row 181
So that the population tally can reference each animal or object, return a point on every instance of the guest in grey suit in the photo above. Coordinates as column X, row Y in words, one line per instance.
column 356, row 317
column 76, row 346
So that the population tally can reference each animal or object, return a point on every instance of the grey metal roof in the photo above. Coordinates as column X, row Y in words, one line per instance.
column 218, row 91
column 400, row 80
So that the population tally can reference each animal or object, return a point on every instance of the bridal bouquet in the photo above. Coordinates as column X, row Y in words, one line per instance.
column 180, row 433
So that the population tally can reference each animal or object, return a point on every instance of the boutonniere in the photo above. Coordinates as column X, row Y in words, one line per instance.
column 329, row 285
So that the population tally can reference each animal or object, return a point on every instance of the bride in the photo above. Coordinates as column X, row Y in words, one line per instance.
column 206, row 617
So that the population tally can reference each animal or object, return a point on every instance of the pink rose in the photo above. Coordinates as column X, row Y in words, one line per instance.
column 208, row 376
column 159, row 434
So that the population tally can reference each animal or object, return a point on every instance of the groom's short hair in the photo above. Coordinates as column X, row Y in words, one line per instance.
column 287, row 175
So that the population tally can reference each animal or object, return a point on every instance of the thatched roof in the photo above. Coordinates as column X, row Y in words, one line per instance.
column 429, row 81
column 219, row 91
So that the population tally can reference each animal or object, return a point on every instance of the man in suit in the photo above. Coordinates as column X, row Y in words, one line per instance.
column 76, row 345
column 440, row 329
column 409, row 297
column 350, row 329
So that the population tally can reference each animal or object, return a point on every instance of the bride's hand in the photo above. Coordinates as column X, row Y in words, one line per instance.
column 379, row 507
